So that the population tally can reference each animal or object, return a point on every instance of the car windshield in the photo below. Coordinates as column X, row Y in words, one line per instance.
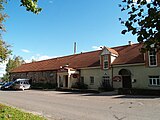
column 9, row 83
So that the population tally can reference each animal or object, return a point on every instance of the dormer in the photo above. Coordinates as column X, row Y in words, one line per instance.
column 108, row 55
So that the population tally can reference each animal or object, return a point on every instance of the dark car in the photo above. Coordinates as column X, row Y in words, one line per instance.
column 7, row 85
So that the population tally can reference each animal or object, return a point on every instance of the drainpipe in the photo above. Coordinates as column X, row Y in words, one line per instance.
column 79, row 75
column 112, row 74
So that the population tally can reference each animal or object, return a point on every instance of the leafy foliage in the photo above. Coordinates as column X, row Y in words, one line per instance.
column 31, row 5
column 143, row 21
column 12, row 63
column 4, row 51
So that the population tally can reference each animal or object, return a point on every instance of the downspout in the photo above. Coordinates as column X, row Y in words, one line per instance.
column 112, row 74
column 79, row 75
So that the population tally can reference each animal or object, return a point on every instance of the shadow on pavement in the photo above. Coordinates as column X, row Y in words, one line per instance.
column 113, row 94
column 135, row 97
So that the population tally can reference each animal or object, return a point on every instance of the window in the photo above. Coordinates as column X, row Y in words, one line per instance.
column 105, row 81
column 154, row 80
column 152, row 58
column 105, row 62
column 91, row 80
column 82, row 79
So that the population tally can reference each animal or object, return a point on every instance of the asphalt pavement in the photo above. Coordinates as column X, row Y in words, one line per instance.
column 56, row 105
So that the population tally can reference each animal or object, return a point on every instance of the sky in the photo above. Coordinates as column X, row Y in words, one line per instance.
column 52, row 33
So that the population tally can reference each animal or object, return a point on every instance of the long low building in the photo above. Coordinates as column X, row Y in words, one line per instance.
column 118, row 67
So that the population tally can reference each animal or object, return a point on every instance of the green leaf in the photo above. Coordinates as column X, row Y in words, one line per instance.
column 124, row 32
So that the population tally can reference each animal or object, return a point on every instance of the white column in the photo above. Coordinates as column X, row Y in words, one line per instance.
column 69, row 81
column 69, row 78
column 58, row 81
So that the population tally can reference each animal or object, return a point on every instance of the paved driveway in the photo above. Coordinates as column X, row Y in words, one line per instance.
column 72, row 106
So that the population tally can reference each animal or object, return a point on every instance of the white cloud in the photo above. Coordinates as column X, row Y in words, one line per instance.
column 97, row 47
column 51, row 1
column 39, row 57
column 25, row 50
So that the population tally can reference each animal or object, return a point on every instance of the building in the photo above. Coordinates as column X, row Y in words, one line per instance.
column 120, row 67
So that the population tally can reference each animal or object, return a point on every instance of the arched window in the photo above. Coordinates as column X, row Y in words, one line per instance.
column 125, row 72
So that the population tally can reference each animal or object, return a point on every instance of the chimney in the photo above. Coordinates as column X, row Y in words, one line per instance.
column 130, row 43
column 74, row 47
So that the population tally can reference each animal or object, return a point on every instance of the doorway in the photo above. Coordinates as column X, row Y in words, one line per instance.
column 126, row 78
column 66, row 80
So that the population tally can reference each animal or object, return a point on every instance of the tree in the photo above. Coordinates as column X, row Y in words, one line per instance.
column 31, row 5
column 143, row 21
column 16, row 61
column 4, row 51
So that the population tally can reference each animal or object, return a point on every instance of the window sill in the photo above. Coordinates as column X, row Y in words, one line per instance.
column 151, row 66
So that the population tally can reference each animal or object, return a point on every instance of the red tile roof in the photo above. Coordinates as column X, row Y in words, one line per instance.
column 127, row 55
column 82, row 60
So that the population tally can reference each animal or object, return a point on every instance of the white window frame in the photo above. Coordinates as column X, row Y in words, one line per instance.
column 105, row 59
column 156, row 78
column 149, row 56
column 106, row 80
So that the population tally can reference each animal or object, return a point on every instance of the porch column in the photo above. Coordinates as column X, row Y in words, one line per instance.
column 69, row 81
column 58, row 81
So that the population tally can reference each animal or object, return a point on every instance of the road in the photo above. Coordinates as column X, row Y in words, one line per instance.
column 73, row 106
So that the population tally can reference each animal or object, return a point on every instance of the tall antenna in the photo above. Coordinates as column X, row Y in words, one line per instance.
column 74, row 47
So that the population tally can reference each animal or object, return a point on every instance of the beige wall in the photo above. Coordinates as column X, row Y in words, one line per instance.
column 97, row 73
column 140, row 73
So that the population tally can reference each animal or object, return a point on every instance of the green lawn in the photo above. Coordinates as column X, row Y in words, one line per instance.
column 9, row 113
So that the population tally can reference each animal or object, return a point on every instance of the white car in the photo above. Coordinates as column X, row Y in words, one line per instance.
column 21, row 84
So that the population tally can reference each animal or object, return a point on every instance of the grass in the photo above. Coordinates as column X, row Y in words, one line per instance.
column 9, row 113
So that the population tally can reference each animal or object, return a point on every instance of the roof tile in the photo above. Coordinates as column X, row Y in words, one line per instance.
column 128, row 54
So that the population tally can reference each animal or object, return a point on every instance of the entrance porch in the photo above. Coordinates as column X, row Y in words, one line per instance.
column 67, row 77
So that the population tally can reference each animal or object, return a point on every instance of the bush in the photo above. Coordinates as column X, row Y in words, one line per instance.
column 134, row 91
column 43, row 85
column 80, row 85
column 105, row 86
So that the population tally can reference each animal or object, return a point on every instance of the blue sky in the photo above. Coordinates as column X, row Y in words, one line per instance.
column 89, row 23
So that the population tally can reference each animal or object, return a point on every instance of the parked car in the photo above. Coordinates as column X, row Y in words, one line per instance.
column 1, row 84
column 18, row 84
column 21, row 84
column 7, row 85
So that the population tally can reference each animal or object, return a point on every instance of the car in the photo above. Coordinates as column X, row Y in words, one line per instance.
column 22, row 84
column 7, row 85
column 1, row 83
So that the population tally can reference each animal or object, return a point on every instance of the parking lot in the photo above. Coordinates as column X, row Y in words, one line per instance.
column 56, row 105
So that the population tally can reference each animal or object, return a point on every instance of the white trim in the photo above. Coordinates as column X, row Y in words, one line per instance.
column 98, row 67
column 105, row 59
column 124, row 65
column 150, row 60
column 154, row 78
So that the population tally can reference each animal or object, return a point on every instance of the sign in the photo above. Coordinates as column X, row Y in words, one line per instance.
column 117, row 78
column 75, row 75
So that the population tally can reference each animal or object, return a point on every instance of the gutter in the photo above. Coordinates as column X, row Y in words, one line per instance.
column 124, row 65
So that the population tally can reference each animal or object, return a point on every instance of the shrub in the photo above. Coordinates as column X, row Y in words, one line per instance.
column 105, row 86
column 80, row 85
column 43, row 85
column 134, row 91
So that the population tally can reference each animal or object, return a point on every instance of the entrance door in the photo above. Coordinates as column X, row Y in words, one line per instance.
column 66, row 80
column 126, row 78
column 126, row 82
